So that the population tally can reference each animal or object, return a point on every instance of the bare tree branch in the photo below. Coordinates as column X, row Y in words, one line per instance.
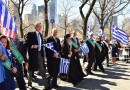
column 28, row 26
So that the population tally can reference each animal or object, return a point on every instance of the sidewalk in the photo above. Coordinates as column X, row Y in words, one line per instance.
column 116, row 77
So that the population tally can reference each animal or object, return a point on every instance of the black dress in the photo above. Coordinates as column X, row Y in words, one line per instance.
column 74, row 76
column 114, row 50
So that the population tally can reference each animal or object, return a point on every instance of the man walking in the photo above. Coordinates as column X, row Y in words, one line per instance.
column 34, row 44
column 53, row 59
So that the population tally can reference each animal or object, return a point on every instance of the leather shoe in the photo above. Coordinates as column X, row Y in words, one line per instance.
column 34, row 77
column 48, row 88
column 91, row 73
column 29, row 84
column 55, row 86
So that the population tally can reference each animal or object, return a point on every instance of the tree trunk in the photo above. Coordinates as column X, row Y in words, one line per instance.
column 85, row 27
column 21, row 27
column 46, row 19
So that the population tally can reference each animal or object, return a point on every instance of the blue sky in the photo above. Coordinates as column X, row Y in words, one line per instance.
column 75, row 9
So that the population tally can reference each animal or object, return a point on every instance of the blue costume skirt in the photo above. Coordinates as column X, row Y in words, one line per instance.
column 9, row 82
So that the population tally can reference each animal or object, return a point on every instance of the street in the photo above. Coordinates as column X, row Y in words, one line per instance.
column 116, row 77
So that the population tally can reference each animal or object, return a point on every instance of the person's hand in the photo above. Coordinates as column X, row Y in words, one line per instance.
column 76, row 50
column 34, row 46
column 26, row 65
column 14, row 70
column 70, row 55
column 56, row 55
column 3, row 57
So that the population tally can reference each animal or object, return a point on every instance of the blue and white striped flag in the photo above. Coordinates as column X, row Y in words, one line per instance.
column 84, row 48
column 101, row 32
column 64, row 65
column 50, row 46
column 89, row 30
column 120, row 35
column 8, row 26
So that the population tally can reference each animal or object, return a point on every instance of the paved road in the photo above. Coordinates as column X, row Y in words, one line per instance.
column 116, row 77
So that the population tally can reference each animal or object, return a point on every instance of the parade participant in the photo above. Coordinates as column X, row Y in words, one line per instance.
column 75, row 52
column 98, row 54
column 74, row 76
column 106, row 47
column 114, row 51
column 2, row 70
column 34, row 44
column 91, row 54
column 9, row 83
column 53, row 59
column 19, row 44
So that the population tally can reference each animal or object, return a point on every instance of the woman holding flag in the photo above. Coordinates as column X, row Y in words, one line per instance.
column 9, row 83
column 74, row 76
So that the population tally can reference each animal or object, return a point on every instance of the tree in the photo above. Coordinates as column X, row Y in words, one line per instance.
column 85, row 16
column 46, row 17
column 65, row 13
column 107, row 8
column 20, row 4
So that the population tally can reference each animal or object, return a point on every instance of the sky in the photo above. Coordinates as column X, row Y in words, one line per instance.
column 74, row 10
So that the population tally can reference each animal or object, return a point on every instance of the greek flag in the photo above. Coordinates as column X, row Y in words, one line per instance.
column 84, row 48
column 50, row 46
column 89, row 30
column 101, row 32
column 8, row 26
column 120, row 35
column 64, row 65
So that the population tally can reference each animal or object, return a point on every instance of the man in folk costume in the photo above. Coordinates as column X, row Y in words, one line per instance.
column 34, row 44
column 98, row 54
column 75, row 52
column 53, row 59
column 91, row 54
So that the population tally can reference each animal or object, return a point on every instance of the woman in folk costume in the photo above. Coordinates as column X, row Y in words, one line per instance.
column 2, row 71
column 9, row 83
column 74, row 76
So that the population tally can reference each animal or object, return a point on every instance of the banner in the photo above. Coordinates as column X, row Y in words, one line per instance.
column 74, row 44
column 16, row 53
column 99, row 46
column 91, row 42
column 7, row 63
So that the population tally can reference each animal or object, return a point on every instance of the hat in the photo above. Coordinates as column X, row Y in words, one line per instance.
column 67, row 36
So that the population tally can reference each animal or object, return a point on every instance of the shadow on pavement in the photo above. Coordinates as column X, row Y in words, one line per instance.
column 94, row 84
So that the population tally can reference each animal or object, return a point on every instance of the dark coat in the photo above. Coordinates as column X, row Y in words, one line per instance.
column 53, row 63
column 75, row 54
column 31, row 39
column 91, row 54
column 65, row 51
column 22, row 49
column 98, row 54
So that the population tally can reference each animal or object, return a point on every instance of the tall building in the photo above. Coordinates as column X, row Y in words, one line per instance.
column 115, row 20
column 41, row 14
column 29, row 19
column 53, row 11
column 34, row 12
column 40, row 9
